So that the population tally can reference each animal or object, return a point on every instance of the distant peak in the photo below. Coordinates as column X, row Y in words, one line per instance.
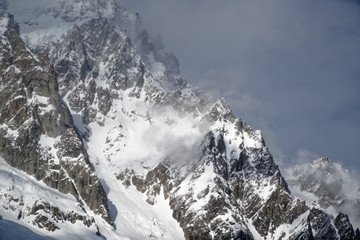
column 222, row 105
column 325, row 160
column 220, row 110
column 73, row 10
column 6, row 21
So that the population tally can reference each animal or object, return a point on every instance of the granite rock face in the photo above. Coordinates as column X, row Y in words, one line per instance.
column 37, row 133
column 328, row 184
column 106, row 102
column 94, row 62
column 231, row 184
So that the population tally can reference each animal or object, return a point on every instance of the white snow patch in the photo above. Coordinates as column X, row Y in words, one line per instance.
column 25, row 191
column 133, row 217
column 285, row 230
column 4, row 23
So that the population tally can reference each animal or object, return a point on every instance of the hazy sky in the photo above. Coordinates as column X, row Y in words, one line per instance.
column 289, row 68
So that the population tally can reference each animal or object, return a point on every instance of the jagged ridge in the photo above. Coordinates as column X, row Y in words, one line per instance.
column 37, row 131
column 227, row 185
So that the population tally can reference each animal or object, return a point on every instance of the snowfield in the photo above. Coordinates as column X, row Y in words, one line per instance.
column 169, row 158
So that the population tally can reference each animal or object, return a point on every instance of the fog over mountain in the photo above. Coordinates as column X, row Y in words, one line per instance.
column 102, row 137
column 289, row 68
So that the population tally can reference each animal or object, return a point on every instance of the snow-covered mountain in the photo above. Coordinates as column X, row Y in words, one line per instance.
column 329, row 185
column 101, row 137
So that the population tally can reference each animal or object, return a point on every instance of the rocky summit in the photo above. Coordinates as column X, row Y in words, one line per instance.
column 102, row 138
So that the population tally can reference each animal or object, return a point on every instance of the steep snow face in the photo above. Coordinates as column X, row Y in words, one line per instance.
column 63, row 161
column 113, row 100
column 25, row 200
column 133, row 217
column 116, row 104
column 138, row 136
column 131, row 125
column 328, row 184
column 174, row 164
column 37, row 135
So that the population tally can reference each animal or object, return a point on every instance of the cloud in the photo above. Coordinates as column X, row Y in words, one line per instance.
column 289, row 68
column 303, row 156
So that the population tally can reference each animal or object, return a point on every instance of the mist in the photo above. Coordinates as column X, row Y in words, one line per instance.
column 288, row 68
column 327, row 183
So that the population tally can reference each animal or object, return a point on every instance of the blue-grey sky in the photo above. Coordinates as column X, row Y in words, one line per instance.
column 289, row 68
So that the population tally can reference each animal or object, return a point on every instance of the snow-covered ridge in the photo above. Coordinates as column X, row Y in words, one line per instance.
column 172, row 162
column 42, row 21
column 328, row 184
column 42, row 140
column 45, row 21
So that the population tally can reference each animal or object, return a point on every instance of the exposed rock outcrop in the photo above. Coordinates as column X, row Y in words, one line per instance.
column 37, row 133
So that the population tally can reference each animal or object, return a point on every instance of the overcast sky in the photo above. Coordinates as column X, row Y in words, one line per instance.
column 289, row 68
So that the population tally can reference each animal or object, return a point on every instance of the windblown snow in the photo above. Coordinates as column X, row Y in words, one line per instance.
column 140, row 131
column 328, row 184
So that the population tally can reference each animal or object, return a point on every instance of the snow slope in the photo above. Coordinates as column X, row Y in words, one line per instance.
column 21, row 193
column 173, row 163
column 133, row 219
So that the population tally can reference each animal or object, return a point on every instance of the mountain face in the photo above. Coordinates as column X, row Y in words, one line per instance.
column 112, row 141
column 329, row 185
column 38, row 134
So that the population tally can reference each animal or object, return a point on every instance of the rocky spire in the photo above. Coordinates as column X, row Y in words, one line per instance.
column 37, row 133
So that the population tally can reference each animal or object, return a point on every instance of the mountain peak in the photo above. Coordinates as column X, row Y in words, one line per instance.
column 325, row 159
column 328, row 184
column 7, row 21
column 102, row 121
column 75, row 10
